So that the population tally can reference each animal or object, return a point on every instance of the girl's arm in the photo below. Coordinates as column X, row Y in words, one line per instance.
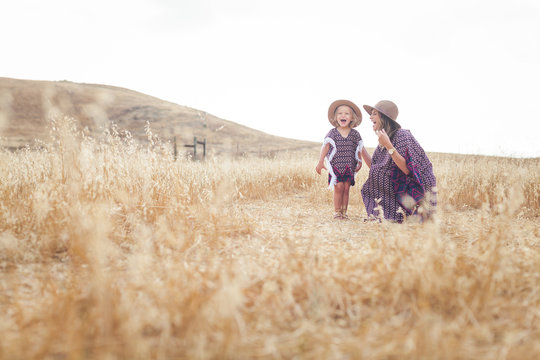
column 366, row 157
column 324, row 152
column 358, row 164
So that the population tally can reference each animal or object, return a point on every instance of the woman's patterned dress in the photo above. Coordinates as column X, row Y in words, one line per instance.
column 397, row 194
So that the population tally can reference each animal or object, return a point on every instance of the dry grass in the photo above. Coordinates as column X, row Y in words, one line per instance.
column 115, row 251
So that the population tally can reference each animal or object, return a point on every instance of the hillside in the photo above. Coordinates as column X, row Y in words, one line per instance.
column 25, row 106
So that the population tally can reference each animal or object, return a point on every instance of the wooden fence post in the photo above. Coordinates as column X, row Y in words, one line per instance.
column 204, row 148
column 194, row 146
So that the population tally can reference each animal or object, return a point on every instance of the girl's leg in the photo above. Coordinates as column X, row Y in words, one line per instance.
column 338, row 197
column 345, row 197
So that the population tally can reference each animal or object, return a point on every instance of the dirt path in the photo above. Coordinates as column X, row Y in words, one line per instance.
column 309, row 220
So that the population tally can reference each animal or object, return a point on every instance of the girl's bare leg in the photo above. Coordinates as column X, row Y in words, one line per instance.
column 338, row 197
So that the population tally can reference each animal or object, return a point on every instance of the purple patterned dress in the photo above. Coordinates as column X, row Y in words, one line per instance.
column 342, row 156
column 397, row 193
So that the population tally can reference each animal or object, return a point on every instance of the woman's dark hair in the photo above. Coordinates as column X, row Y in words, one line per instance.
column 389, row 125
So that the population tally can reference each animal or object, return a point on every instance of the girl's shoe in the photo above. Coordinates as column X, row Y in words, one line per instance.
column 338, row 215
column 344, row 217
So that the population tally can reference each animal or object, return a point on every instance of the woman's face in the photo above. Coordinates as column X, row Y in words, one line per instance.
column 344, row 116
column 376, row 120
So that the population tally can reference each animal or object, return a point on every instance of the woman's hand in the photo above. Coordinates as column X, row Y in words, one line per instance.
column 358, row 166
column 398, row 159
column 384, row 140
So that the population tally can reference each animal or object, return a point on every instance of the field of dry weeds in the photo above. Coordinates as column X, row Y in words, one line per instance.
column 115, row 251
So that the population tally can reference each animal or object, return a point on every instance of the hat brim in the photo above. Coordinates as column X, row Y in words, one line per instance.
column 338, row 103
column 369, row 110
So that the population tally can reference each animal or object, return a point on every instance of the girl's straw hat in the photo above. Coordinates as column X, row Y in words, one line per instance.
column 332, row 111
column 386, row 107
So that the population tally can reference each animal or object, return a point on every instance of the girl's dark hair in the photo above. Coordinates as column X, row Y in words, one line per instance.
column 389, row 125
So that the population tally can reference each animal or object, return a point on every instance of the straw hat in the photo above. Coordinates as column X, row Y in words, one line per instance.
column 332, row 111
column 386, row 107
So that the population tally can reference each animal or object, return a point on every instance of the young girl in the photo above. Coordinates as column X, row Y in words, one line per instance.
column 342, row 148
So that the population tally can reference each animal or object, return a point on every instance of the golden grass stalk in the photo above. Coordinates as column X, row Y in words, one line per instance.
column 114, row 250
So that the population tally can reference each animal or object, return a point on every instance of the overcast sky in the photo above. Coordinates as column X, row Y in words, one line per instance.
column 465, row 74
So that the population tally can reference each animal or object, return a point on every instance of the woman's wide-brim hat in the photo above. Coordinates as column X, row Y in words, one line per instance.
column 332, row 111
column 386, row 107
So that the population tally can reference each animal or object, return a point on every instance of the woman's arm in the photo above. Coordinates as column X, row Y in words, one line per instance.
column 324, row 152
column 398, row 159
column 366, row 157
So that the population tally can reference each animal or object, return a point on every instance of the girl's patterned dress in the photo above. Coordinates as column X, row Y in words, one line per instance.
column 342, row 156
column 385, row 183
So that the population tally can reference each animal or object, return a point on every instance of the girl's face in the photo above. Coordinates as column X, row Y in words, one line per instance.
column 344, row 116
column 376, row 120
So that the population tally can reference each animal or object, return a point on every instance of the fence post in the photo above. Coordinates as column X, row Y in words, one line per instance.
column 194, row 146
column 204, row 149
column 175, row 151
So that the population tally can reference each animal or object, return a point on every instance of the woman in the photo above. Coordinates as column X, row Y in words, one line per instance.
column 401, row 181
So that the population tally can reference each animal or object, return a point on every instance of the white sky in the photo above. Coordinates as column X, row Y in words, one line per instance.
column 465, row 74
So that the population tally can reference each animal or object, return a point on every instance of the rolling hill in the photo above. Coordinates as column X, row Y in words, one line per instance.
column 25, row 107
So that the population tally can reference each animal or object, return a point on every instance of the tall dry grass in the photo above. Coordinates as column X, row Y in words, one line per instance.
column 113, row 250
